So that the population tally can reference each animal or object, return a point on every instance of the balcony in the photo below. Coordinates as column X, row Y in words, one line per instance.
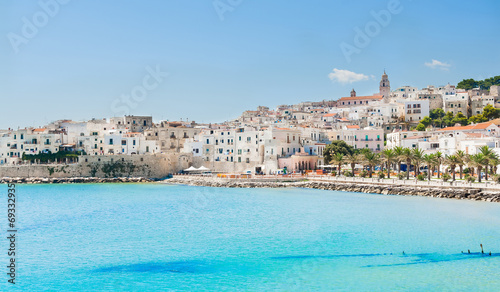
column 366, row 140
column 47, row 143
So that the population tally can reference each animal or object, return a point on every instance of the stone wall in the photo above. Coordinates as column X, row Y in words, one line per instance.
column 106, row 166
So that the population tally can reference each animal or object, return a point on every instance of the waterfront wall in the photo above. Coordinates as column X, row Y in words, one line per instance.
column 105, row 166
column 477, row 194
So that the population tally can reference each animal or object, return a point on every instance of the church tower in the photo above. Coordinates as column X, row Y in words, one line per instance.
column 385, row 86
column 353, row 93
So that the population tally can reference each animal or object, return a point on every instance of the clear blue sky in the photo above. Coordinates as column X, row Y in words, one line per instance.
column 89, row 53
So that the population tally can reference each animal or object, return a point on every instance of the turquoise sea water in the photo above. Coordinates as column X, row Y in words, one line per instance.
column 150, row 237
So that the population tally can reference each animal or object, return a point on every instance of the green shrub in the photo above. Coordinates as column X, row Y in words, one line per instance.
column 347, row 173
column 48, row 157
column 421, row 176
column 446, row 176
column 469, row 178
column 363, row 173
column 381, row 174
column 334, row 173
column 466, row 170
column 402, row 175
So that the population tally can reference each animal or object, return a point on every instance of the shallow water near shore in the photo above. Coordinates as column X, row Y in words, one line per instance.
column 139, row 237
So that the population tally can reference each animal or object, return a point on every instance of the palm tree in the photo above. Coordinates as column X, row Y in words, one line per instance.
column 371, row 159
column 407, row 155
column 462, row 161
column 470, row 165
column 439, row 160
column 489, row 155
column 399, row 152
column 494, row 164
column 418, row 157
column 338, row 159
column 478, row 160
column 430, row 160
column 452, row 161
column 493, row 161
column 352, row 159
column 389, row 156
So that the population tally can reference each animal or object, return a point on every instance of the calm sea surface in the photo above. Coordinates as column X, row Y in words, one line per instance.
column 150, row 237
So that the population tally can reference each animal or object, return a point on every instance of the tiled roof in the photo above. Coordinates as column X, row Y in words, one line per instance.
column 480, row 126
column 495, row 121
column 474, row 135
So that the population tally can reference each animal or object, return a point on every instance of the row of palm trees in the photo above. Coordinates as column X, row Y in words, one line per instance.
column 389, row 159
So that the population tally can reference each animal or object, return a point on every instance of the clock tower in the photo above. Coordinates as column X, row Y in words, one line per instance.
column 385, row 86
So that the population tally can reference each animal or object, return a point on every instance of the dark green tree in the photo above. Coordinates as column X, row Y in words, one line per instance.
column 460, row 119
column 338, row 146
column 448, row 119
column 490, row 112
column 477, row 119
column 436, row 114
column 467, row 84
column 438, row 123
column 420, row 127
column 426, row 121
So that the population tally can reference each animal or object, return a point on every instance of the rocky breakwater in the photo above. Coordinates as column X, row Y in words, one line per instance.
column 41, row 180
column 476, row 194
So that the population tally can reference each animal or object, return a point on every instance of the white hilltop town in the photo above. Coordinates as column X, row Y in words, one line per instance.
column 265, row 140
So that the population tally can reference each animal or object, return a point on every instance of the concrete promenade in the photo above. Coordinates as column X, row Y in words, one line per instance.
column 460, row 184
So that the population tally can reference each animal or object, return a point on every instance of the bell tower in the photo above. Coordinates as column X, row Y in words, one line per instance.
column 353, row 93
column 385, row 86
